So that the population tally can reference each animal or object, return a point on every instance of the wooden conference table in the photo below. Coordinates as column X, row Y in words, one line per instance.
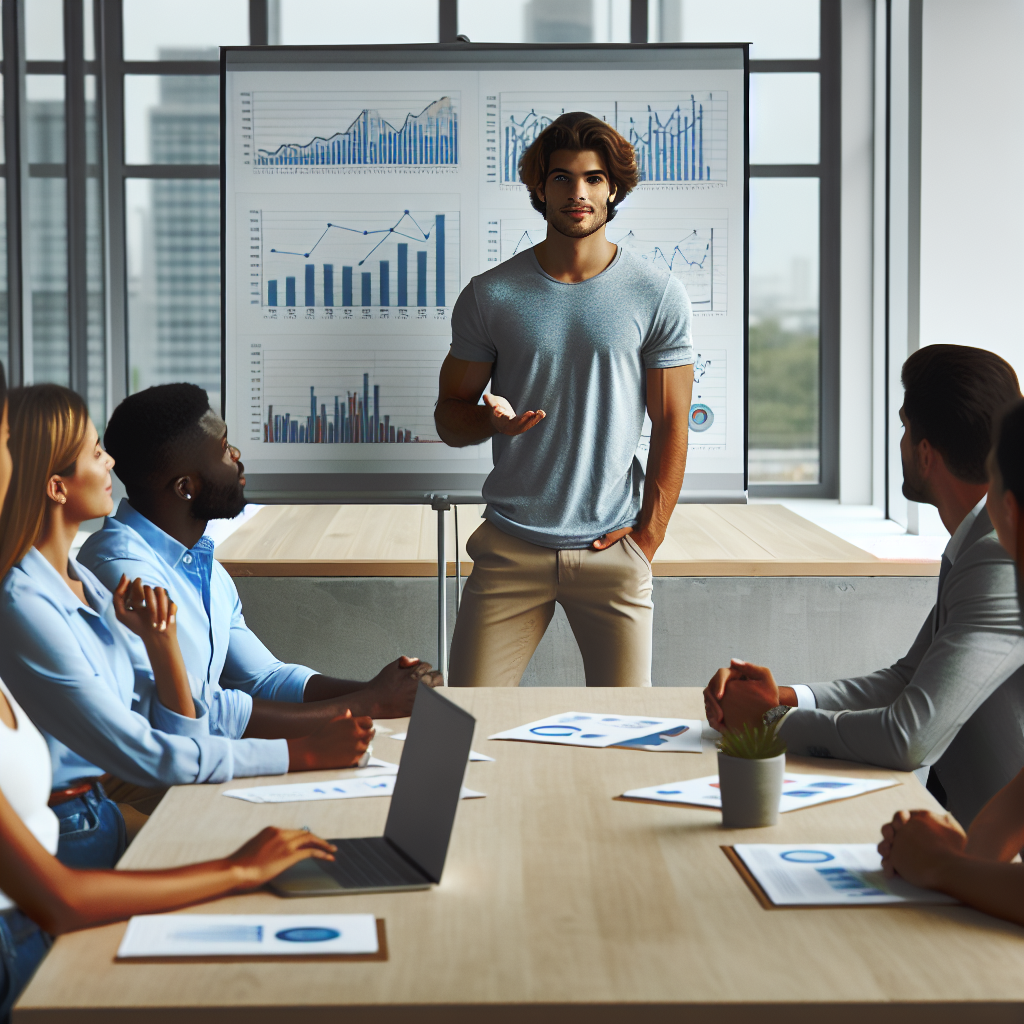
column 559, row 902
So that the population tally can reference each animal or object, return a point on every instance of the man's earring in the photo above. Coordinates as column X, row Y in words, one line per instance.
column 188, row 497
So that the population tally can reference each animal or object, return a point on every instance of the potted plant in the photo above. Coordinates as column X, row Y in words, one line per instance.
column 751, row 766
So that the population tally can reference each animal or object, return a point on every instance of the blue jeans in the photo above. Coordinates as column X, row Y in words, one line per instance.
column 23, row 944
column 92, row 831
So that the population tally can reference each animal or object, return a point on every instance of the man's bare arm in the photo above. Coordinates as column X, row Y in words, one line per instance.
column 668, row 404
column 459, row 417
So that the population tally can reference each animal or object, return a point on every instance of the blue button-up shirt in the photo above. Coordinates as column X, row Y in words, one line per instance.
column 85, row 681
column 227, row 663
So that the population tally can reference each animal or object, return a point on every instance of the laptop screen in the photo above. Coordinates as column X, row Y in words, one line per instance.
column 429, row 781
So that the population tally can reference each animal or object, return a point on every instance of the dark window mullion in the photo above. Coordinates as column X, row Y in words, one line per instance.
column 172, row 170
column 780, row 67
column 170, row 67
column 77, row 254
column 785, row 170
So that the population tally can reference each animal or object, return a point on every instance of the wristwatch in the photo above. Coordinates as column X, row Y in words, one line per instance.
column 773, row 715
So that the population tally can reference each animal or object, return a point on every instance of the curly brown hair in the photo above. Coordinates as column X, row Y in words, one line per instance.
column 578, row 131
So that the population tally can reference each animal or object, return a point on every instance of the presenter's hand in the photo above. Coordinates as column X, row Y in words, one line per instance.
column 739, row 695
column 391, row 692
column 504, row 420
column 338, row 743
column 274, row 850
column 643, row 540
column 916, row 844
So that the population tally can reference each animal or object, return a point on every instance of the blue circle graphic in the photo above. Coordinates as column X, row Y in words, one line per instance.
column 807, row 856
column 308, row 934
column 701, row 417
column 555, row 730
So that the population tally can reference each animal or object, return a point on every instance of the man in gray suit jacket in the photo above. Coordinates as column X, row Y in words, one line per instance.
column 955, row 702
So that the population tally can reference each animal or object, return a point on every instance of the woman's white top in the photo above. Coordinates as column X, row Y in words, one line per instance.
column 25, row 777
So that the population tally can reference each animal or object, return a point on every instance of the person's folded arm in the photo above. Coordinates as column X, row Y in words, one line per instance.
column 976, row 650
column 53, row 680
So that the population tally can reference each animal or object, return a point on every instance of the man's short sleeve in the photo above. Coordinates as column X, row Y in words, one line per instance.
column 470, row 340
column 668, row 342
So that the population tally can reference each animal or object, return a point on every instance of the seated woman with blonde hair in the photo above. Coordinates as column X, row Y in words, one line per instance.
column 932, row 850
column 102, row 675
column 40, row 896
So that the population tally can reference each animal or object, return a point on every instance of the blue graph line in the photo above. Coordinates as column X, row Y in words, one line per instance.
column 670, row 261
column 387, row 232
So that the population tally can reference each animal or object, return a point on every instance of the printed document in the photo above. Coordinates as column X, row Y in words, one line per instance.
column 333, row 789
column 842, row 874
column 473, row 755
column 248, row 934
column 797, row 790
column 576, row 729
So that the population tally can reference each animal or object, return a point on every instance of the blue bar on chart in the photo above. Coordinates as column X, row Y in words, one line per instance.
column 328, row 284
column 439, row 257
column 403, row 273
column 385, row 283
column 310, row 286
column 346, row 286
column 289, row 291
column 271, row 293
column 367, row 290
column 421, row 278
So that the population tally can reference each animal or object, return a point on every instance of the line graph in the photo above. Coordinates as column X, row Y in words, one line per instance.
column 377, row 261
column 677, row 139
column 400, row 130
column 693, row 248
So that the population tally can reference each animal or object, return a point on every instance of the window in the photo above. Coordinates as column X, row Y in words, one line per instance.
column 111, row 193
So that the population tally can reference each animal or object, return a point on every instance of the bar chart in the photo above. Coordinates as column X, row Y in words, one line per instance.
column 676, row 139
column 380, row 262
column 334, row 129
column 380, row 395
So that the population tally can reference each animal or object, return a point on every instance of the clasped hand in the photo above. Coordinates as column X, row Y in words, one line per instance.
column 739, row 695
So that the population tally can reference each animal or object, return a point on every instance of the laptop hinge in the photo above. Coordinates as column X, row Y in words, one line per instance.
column 401, row 853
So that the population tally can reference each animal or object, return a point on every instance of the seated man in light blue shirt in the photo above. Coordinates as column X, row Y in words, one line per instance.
column 173, row 456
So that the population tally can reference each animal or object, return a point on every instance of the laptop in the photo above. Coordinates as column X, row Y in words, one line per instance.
column 412, row 851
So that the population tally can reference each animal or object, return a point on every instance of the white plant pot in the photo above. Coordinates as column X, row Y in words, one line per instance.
column 751, row 790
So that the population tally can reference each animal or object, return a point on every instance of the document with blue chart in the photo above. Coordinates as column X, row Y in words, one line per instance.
column 364, row 187
column 828, row 874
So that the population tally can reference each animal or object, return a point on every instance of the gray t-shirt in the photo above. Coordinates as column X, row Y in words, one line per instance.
column 579, row 352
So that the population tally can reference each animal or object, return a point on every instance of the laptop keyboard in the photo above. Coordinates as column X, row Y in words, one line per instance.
column 369, row 864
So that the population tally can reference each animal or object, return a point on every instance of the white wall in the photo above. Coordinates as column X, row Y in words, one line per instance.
column 972, row 176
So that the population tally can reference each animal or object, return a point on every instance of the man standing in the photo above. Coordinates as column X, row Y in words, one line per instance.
column 578, row 335
column 955, row 701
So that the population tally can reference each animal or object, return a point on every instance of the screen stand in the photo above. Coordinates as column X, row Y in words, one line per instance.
column 440, row 504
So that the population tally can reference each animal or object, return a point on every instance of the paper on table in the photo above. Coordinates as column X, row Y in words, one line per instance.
column 683, row 739
column 473, row 755
column 841, row 874
column 584, row 730
column 797, row 790
column 252, row 934
column 333, row 789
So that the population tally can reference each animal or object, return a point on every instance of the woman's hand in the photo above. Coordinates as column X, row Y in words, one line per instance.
column 275, row 850
column 147, row 611
column 916, row 844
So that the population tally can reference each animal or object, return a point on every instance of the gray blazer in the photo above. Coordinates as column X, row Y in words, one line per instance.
column 955, row 701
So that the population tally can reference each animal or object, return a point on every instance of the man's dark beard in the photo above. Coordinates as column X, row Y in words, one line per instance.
column 586, row 234
column 218, row 501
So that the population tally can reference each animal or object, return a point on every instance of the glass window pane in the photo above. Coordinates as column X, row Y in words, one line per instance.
column 153, row 31
column 784, row 339
column 785, row 118
column 95, row 335
column 173, row 236
column 90, row 25
column 779, row 30
column 171, row 119
column 47, row 228
column 305, row 22
column 545, row 21
column 44, row 30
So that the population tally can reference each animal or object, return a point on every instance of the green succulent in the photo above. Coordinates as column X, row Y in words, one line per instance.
column 754, row 744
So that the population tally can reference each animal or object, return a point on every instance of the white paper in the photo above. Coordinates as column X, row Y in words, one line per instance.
column 683, row 739
column 838, row 874
column 585, row 730
column 333, row 789
column 797, row 790
column 248, row 934
column 473, row 755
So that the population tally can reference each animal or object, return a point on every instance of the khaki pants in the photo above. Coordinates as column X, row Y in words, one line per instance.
column 510, row 597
